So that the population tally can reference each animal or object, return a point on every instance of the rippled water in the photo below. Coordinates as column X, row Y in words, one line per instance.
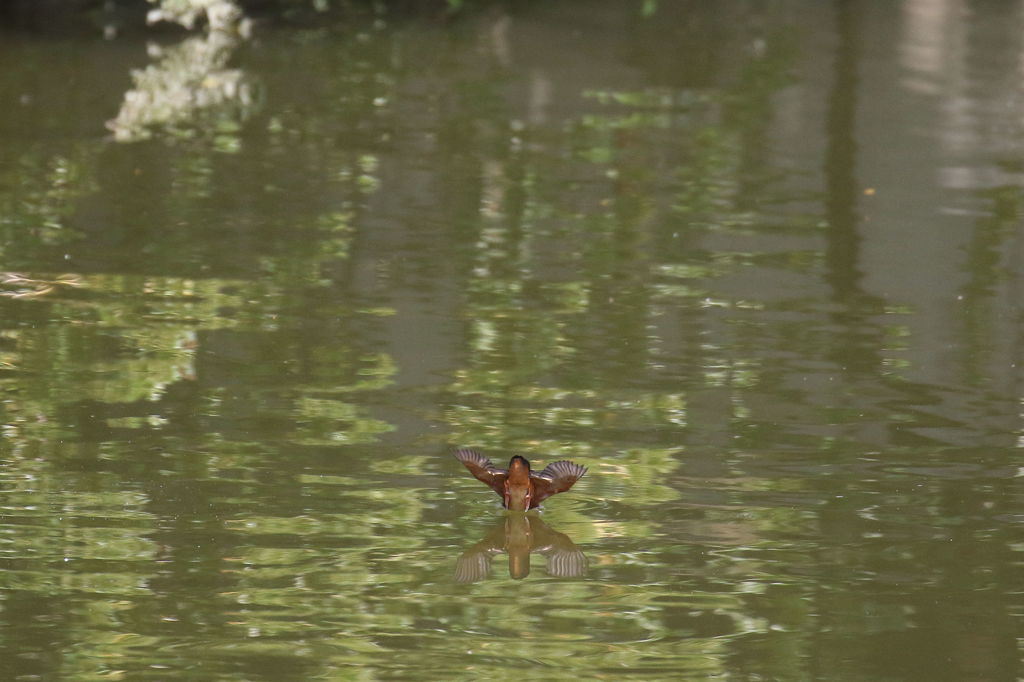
column 758, row 267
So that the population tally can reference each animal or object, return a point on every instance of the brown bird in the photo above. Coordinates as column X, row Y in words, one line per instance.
column 519, row 488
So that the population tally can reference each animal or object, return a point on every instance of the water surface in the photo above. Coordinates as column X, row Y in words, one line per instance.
column 757, row 266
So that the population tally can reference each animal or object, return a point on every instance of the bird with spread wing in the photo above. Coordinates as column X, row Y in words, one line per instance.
column 520, row 488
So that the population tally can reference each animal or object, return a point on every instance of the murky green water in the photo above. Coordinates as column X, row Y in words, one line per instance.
column 757, row 266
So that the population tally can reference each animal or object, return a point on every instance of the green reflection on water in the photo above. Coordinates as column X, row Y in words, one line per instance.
column 239, row 340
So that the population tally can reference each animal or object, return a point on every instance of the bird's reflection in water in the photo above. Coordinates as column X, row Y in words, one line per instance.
column 519, row 534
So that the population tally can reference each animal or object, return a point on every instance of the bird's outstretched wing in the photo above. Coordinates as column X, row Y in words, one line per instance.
column 556, row 477
column 483, row 470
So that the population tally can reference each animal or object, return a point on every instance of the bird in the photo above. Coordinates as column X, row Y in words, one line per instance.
column 520, row 488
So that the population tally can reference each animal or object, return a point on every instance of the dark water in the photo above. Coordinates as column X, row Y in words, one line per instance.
column 757, row 265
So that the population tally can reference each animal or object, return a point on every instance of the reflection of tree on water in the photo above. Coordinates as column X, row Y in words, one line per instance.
column 188, row 79
column 219, row 14
column 519, row 534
